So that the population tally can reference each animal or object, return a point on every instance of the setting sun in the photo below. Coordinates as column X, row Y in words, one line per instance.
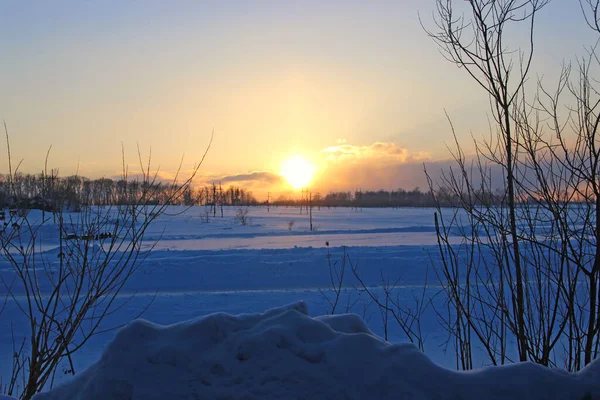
column 297, row 171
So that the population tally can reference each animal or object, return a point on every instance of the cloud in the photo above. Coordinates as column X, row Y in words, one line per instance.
column 262, row 177
column 381, row 152
column 385, row 165
column 381, row 165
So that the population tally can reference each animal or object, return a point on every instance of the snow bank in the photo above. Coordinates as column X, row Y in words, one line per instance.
column 285, row 354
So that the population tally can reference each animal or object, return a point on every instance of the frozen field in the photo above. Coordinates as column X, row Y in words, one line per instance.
column 198, row 268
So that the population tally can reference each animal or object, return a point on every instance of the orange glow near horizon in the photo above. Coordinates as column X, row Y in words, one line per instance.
column 297, row 171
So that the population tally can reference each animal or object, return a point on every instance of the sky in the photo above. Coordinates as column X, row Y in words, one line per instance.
column 357, row 88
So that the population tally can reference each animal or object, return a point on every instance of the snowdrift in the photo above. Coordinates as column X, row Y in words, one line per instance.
column 285, row 354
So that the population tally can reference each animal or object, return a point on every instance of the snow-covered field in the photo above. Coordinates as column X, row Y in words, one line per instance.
column 199, row 268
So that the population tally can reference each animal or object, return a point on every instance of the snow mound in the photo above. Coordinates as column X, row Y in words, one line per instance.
column 285, row 354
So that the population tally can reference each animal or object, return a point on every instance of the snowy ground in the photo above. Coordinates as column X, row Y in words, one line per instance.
column 284, row 354
column 200, row 268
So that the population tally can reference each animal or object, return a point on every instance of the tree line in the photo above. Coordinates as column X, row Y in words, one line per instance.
column 385, row 198
column 48, row 191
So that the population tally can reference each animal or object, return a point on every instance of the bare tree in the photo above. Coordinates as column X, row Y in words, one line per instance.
column 527, row 268
column 479, row 45
column 66, row 298
column 568, row 175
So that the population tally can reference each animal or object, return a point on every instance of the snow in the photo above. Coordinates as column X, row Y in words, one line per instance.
column 285, row 354
column 198, row 269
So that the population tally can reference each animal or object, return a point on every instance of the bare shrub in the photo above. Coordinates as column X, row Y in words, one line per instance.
column 205, row 217
column 66, row 298
column 527, row 270
column 336, row 276
column 242, row 216
column 385, row 296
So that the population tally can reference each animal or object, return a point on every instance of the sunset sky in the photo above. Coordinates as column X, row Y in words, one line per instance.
column 356, row 88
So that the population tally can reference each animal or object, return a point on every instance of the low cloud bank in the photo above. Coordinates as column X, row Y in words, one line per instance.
column 376, row 166
column 347, row 167
column 255, row 177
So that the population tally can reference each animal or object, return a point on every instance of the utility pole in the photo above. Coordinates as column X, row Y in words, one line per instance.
column 214, row 199
column 268, row 200
column 310, row 209
column 221, row 198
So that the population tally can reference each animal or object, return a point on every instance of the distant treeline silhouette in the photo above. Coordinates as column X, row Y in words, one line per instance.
column 49, row 192
column 384, row 198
